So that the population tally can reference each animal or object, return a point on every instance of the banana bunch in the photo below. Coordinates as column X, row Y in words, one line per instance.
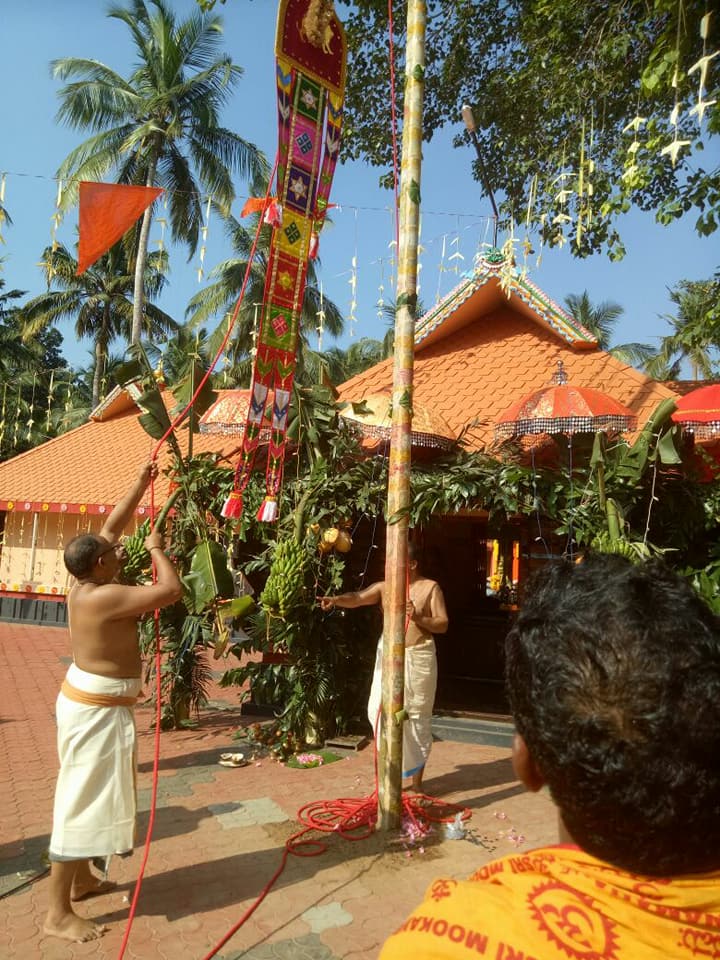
column 286, row 581
column 136, row 564
column 634, row 550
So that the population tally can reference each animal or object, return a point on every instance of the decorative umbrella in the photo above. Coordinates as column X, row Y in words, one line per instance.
column 228, row 414
column 374, row 421
column 560, row 408
column 699, row 412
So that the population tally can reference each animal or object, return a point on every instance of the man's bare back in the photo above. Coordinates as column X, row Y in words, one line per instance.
column 102, row 617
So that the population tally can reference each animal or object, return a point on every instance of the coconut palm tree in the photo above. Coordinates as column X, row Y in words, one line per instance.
column 220, row 297
column 341, row 365
column 600, row 320
column 160, row 126
column 174, row 356
column 14, row 354
column 695, row 337
column 99, row 300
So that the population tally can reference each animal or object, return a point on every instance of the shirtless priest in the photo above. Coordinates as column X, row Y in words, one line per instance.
column 94, row 813
column 426, row 616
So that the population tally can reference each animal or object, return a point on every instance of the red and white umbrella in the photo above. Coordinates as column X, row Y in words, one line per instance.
column 561, row 408
column 228, row 413
column 699, row 412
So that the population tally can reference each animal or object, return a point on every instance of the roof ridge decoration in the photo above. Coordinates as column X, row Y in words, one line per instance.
column 119, row 400
column 491, row 267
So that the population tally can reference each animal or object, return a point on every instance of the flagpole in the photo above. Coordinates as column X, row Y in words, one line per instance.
column 396, row 571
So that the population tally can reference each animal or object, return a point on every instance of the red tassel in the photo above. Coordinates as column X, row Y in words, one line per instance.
column 273, row 214
column 314, row 245
column 232, row 508
column 268, row 510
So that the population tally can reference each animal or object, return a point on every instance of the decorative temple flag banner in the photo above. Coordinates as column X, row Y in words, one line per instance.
column 107, row 211
column 311, row 68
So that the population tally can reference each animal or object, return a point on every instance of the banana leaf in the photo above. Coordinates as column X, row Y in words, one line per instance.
column 634, row 460
column 667, row 446
column 209, row 577
column 184, row 389
column 237, row 607
column 155, row 420
column 598, row 450
column 128, row 371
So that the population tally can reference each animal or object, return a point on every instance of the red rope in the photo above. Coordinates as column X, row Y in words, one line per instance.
column 158, row 652
column 231, row 325
column 353, row 819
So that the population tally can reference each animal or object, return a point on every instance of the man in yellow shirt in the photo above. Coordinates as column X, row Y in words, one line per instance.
column 613, row 672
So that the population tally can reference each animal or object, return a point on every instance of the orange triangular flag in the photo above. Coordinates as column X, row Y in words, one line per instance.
column 107, row 210
column 256, row 205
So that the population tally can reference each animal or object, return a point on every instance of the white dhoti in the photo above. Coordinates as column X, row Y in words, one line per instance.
column 420, row 686
column 95, row 797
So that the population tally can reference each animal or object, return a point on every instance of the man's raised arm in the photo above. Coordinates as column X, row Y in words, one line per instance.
column 122, row 512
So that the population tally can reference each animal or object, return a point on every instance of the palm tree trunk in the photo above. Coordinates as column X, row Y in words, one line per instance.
column 396, row 571
column 98, row 371
column 142, row 249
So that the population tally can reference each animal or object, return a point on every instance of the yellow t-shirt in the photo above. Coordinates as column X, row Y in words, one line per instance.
column 559, row 903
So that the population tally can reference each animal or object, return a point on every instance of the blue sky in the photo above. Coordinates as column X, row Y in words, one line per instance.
column 454, row 214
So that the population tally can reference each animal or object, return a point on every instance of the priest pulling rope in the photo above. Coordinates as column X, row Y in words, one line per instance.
column 427, row 616
column 95, row 801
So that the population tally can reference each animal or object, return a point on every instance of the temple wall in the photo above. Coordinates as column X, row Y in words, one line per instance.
column 31, row 550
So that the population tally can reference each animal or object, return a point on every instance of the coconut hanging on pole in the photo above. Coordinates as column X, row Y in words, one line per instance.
column 396, row 572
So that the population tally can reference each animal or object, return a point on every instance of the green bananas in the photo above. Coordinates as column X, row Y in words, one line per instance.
column 137, row 560
column 285, row 584
column 634, row 550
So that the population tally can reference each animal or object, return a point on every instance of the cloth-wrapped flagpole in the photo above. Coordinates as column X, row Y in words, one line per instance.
column 310, row 53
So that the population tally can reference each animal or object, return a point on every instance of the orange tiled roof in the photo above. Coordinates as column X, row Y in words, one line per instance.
column 90, row 468
column 477, row 352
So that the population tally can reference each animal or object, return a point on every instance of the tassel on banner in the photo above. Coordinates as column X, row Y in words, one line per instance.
column 314, row 246
column 273, row 214
column 232, row 508
column 268, row 511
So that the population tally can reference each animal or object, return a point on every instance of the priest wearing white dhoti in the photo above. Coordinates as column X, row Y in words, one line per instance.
column 427, row 615
column 94, row 812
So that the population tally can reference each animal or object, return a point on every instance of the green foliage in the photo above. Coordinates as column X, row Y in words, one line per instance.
column 209, row 578
column 200, row 544
column 155, row 420
column 545, row 79
column 707, row 583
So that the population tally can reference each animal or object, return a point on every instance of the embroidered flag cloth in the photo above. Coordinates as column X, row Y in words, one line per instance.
column 310, row 73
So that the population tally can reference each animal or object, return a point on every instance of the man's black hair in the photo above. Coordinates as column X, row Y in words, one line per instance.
column 613, row 672
column 80, row 554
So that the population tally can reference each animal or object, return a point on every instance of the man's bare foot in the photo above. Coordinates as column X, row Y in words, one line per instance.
column 72, row 927
column 93, row 887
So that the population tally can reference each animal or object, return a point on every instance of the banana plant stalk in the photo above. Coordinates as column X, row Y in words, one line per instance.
column 396, row 572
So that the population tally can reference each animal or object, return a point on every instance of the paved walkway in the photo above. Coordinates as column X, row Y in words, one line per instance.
column 220, row 835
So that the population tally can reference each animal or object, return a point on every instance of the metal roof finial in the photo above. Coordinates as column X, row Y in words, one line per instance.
column 560, row 377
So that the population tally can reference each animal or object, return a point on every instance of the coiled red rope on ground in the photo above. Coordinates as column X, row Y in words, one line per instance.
column 352, row 819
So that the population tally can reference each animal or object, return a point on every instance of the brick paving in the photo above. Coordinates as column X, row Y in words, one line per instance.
column 220, row 835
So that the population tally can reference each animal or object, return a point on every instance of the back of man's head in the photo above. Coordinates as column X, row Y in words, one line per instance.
column 80, row 554
column 613, row 673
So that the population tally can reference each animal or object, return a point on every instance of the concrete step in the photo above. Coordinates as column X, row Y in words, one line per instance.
column 494, row 733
